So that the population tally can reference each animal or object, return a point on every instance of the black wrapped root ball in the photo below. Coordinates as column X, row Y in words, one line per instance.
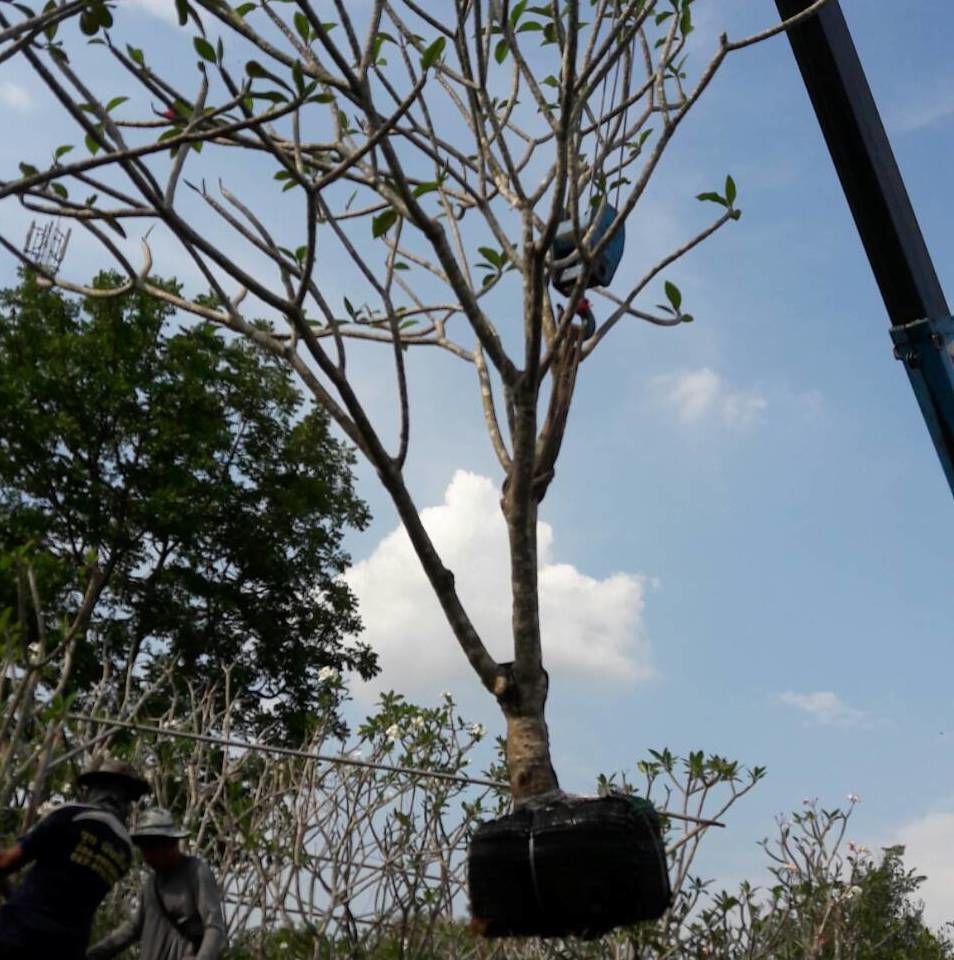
column 576, row 866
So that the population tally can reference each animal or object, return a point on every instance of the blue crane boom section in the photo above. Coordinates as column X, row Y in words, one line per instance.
column 921, row 325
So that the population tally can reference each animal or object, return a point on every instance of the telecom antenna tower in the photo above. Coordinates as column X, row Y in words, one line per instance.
column 46, row 246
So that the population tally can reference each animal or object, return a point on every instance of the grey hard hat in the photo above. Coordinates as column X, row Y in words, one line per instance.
column 157, row 822
column 112, row 773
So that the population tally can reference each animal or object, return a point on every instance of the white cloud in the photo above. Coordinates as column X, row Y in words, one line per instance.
column 929, row 105
column 163, row 9
column 825, row 708
column 14, row 96
column 592, row 628
column 698, row 395
column 928, row 842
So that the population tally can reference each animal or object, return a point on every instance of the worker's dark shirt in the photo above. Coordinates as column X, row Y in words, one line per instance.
column 78, row 852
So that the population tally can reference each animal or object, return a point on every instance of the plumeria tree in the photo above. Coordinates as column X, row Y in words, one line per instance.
column 430, row 155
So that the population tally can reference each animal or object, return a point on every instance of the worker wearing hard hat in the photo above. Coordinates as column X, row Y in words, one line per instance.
column 77, row 852
column 179, row 916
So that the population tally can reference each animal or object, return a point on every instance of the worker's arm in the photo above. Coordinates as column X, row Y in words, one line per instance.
column 117, row 941
column 11, row 859
column 209, row 906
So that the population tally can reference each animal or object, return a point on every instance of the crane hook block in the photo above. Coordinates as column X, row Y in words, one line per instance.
column 567, row 265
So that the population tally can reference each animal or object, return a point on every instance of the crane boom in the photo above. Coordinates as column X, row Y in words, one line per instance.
column 921, row 325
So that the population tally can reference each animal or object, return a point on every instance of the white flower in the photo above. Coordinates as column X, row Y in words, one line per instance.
column 283, row 946
column 417, row 722
column 854, row 798
column 477, row 730
column 791, row 867
column 328, row 673
column 446, row 694
column 852, row 892
column 393, row 732
column 357, row 754
column 34, row 649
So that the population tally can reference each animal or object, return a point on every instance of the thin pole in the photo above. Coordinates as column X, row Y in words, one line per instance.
column 288, row 751
column 339, row 759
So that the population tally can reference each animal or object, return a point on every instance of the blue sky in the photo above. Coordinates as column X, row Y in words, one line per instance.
column 749, row 527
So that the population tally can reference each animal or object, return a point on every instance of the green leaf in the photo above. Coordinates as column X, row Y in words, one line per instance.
column 89, row 23
column 62, row 151
column 685, row 22
column 243, row 8
column 712, row 198
column 517, row 12
column 186, row 12
column 255, row 70
column 60, row 190
column 550, row 81
column 136, row 55
column 730, row 193
column 492, row 256
column 501, row 51
column 115, row 102
column 379, row 41
column 204, row 49
column 673, row 295
column 28, row 170
column 432, row 54
column 383, row 221
column 272, row 96
column 423, row 188
column 302, row 26
column 91, row 144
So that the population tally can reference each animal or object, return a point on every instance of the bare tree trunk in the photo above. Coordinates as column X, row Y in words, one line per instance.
column 523, row 697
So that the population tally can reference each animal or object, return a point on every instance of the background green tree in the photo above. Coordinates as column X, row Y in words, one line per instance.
column 185, row 467
column 886, row 920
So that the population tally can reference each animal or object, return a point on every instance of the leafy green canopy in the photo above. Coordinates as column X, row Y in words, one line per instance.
column 183, row 465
